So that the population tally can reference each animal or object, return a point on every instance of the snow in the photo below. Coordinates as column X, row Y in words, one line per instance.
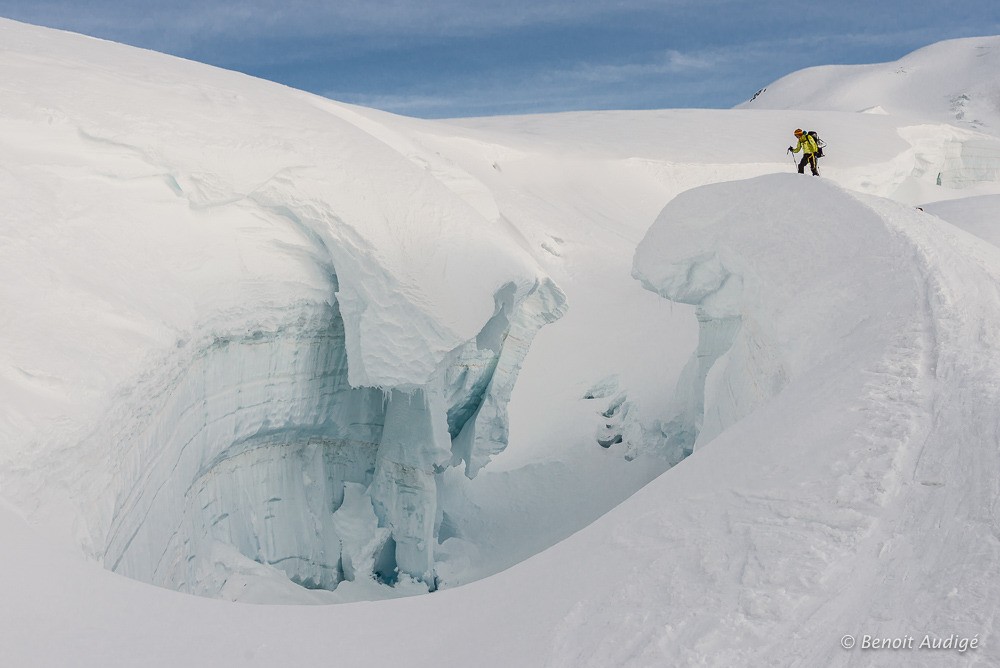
column 977, row 215
column 248, row 325
column 620, row 398
column 953, row 81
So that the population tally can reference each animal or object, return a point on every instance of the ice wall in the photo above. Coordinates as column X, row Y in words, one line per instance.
column 248, row 443
column 970, row 162
column 251, row 440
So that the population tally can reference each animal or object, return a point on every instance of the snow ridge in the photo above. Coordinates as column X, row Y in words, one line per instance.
column 876, row 361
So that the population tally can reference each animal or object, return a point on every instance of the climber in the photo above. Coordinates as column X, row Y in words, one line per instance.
column 810, row 150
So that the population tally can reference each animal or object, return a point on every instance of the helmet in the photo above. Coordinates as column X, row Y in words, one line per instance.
column 798, row 132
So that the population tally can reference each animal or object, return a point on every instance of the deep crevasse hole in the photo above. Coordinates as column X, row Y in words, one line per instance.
column 252, row 446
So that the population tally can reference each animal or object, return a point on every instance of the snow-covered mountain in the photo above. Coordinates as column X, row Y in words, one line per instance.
column 954, row 81
column 269, row 348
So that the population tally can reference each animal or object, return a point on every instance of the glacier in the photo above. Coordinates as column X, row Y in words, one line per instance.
column 267, row 348
column 293, row 341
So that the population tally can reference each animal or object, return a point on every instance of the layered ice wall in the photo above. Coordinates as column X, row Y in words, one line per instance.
column 970, row 162
column 278, row 330
column 245, row 450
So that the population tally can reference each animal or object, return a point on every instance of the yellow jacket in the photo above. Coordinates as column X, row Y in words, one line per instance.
column 807, row 144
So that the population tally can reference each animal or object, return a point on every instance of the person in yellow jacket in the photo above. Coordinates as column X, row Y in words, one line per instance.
column 809, row 150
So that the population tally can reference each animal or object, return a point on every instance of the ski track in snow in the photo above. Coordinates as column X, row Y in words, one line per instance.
column 949, row 480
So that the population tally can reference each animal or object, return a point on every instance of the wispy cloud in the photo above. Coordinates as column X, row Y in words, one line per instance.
column 407, row 105
column 309, row 18
column 585, row 85
column 670, row 62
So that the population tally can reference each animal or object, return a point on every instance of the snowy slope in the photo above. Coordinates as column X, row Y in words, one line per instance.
column 945, row 97
column 978, row 215
column 866, row 372
column 248, row 328
column 952, row 81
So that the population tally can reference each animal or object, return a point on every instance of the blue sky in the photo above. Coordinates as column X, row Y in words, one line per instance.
column 440, row 58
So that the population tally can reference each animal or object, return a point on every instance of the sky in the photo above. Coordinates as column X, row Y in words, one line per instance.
column 451, row 58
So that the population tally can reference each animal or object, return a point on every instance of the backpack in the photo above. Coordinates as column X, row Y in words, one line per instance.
column 819, row 143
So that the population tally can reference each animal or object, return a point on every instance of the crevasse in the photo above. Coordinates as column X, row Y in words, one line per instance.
column 245, row 447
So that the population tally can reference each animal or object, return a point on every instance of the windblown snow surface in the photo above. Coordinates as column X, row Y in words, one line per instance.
column 647, row 403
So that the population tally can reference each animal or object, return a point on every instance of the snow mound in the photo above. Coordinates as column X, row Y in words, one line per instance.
column 766, row 286
column 877, row 109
